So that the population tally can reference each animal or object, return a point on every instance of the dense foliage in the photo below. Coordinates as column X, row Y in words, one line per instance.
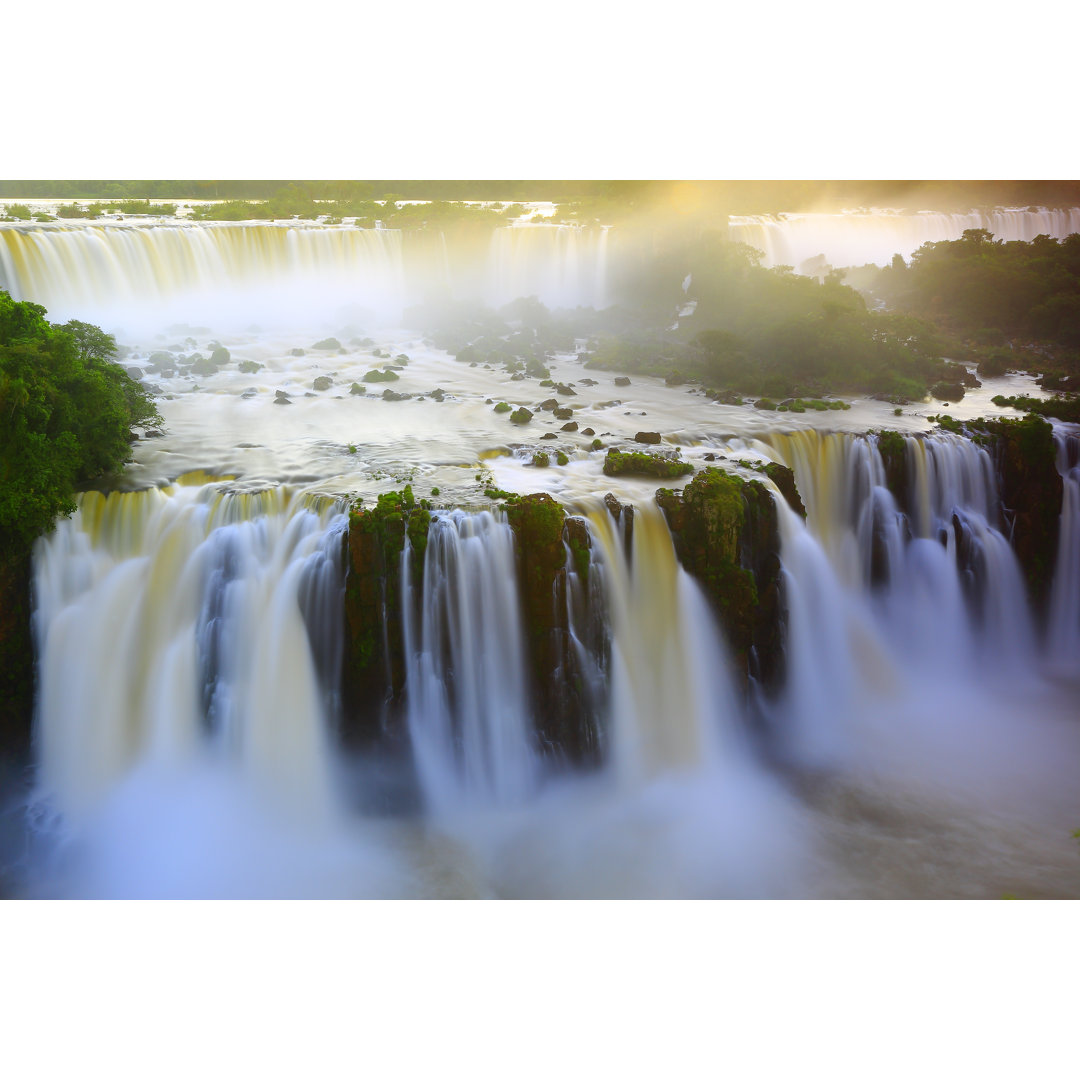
column 767, row 331
column 68, row 410
column 979, row 284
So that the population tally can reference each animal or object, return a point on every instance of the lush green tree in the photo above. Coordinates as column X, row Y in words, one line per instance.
column 66, row 414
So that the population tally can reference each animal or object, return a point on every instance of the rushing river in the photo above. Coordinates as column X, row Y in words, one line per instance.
column 189, row 641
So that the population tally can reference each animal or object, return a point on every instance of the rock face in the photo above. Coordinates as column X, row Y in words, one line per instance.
column 374, row 669
column 16, row 654
column 566, row 726
column 1031, row 492
column 726, row 536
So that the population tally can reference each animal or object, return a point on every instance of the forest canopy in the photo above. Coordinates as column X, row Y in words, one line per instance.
column 68, row 410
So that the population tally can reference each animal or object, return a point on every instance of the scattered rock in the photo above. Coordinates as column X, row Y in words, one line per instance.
column 549, row 435
column 571, row 426
column 249, row 367
column 651, row 437
column 326, row 343
column 322, row 382
column 521, row 416
column 562, row 413
column 622, row 380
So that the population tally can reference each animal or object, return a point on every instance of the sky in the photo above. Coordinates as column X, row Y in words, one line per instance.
column 776, row 90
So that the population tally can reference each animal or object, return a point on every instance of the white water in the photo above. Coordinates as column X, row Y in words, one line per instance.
column 858, row 237
column 468, row 688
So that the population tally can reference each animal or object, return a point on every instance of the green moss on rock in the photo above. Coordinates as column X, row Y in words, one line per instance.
column 622, row 463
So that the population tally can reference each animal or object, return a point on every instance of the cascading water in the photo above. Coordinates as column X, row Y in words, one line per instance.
column 173, row 623
column 469, row 711
column 231, row 274
column 671, row 702
column 855, row 238
column 561, row 265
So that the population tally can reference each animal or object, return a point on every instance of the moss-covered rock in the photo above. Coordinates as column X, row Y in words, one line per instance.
column 892, row 446
column 374, row 669
column 521, row 416
column 381, row 376
column 726, row 536
column 622, row 463
column 565, row 724
column 1031, row 493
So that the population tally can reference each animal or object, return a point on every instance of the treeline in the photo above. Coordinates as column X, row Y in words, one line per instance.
column 1010, row 303
column 768, row 332
column 714, row 196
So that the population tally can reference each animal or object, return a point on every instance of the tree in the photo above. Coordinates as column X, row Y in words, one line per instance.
column 67, row 411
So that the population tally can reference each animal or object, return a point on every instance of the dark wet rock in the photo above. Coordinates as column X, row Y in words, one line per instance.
column 249, row 367
column 393, row 395
column 571, row 426
column 548, row 404
column 438, row 394
column 220, row 356
column 622, row 380
column 587, row 431
column 16, row 653
column 374, row 662
column 381, row 376
column 356, row 388
column 563, row 414
column 135, row 373
column 564, row 389
column 589, row 382
column 322, row 382
column 549, row 435
column 710, row 457
column 650, row 437
column 784, row 479
column 567, row 725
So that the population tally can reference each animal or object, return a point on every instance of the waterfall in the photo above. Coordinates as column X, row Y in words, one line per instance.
column 854, row 238
column 285, row 274
column 671, row 702
column 561, row 265
column 467, row 685
column 886, row 601
column 218, row 272
column 172, row 624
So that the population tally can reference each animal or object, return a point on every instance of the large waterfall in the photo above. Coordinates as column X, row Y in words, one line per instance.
column 283, row 274
column 857, row 237
column 190, row 651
